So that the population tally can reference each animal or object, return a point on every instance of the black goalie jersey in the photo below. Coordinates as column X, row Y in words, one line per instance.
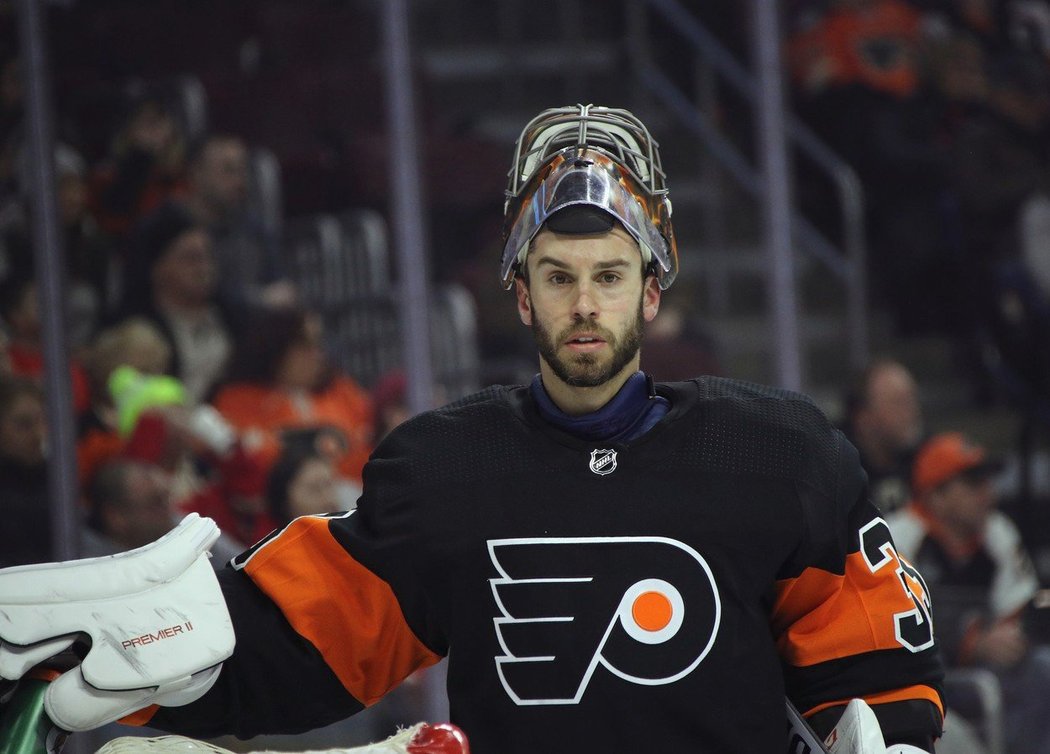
column 660, row 595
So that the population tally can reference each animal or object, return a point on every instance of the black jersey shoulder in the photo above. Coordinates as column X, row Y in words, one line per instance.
column 474, row 437
column 742, row 427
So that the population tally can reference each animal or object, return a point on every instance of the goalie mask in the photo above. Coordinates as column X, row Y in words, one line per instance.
column 591, row 166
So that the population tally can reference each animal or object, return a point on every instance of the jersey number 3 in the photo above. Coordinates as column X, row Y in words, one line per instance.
column 914, row 628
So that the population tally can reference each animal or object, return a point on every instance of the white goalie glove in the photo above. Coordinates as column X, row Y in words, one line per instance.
column 858, row 732
column 156, row 620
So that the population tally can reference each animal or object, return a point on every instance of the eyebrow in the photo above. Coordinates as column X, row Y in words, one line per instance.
column 611, row 264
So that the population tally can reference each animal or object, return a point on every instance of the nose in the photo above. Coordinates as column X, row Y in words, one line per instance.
column 585, row 305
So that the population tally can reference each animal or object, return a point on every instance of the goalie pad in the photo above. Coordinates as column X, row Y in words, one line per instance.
column 857, row 731
column 421, row 738
column 155, row 616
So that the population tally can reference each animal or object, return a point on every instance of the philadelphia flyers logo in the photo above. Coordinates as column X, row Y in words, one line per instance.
column 644, row 609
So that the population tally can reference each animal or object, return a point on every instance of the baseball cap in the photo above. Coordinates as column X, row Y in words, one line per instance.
column 946, row 456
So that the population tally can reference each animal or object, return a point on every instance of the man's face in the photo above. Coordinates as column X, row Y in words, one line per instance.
column 24, row 319
column 221, row 175
column 963, row 503
column 586, row 303
column 23, row 431
column 148, row 513
column 303, row 364
column 187, row 269
column 893, row 411
column 312, row 489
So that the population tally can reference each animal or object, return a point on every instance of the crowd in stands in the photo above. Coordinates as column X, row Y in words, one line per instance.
column 943, row 109
column 941, row 495
column 200, row 381
column 199, row 377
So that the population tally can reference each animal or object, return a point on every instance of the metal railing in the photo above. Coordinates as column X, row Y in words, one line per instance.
column 848, row 261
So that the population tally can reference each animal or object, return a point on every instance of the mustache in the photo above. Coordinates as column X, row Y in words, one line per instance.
column 586, row 327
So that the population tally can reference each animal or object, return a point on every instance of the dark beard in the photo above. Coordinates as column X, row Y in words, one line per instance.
column 585, row 370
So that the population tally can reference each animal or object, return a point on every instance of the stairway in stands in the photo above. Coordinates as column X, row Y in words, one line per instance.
column 485, row 68
column 305, row 80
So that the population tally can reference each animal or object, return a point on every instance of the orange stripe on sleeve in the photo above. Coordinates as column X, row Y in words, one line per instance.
column 347, row 612
column 897, row 695
column 820, row 616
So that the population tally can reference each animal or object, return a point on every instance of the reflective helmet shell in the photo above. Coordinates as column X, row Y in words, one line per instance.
column 591, row 155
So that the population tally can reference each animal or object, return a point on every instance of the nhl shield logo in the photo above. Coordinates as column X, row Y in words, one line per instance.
column 603, row 461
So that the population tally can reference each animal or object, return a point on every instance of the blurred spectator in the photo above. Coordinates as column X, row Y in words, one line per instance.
column 871, row 43
column 135, row 343
column 884, row 421
column 25, row 524
column 1001, row 160
column 281, row 381
column 146, row 163
column 172, row 280
column 207, row 469
column 20, row 310
column 1017, row 327
column 861, row 86
column 236, row 498
column 1029, row 26
column 301, row 482
column 90, row 272
column 390, row 398
column 11, row 113
column 130, row 506
column 1035, row 241
column 981, row 579
column 5, row 360
column 217, row 197
column 90, row 268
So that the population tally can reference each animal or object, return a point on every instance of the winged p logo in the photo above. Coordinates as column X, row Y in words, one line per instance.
column 644, row 609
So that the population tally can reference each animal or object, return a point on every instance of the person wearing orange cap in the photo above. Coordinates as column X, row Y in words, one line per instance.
column 982, row 578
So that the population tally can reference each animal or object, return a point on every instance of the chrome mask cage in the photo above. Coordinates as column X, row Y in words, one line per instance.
column 588, row 155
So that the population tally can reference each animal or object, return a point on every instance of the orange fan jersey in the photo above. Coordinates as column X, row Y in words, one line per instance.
column 263, row 413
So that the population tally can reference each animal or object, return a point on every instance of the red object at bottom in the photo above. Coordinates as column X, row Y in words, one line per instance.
column 440, row 738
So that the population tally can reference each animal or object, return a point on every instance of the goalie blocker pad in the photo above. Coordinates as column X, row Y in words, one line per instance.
column 858, row 732
column 156, row 618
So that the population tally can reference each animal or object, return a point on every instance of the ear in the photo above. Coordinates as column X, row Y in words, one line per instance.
column 651, row 298
column 521, row 292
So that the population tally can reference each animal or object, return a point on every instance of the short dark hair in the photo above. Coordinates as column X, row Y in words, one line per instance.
column 283, row 471
column 262, row 347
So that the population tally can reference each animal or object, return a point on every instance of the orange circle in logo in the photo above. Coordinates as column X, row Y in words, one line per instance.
column 652, row 611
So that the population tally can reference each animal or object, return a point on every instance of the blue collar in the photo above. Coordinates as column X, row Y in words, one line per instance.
column 630, row 414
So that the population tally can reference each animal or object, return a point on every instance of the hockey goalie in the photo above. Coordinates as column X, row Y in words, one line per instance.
column 115, row 602
column 609, row 563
